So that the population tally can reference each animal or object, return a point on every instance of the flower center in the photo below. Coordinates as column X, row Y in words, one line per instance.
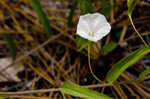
column 91, row 34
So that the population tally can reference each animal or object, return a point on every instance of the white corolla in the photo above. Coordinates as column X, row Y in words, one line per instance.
column 93, row 26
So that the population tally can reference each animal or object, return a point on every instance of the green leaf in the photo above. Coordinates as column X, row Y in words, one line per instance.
column 108, row 48
column 43, row 18
column 107, row 10
column 11, row 45
column 81, row 42
column 144, row 73
column 131, row 5
column 72, row 13
column 86, row 6
column 126, row 62
column 82, row 92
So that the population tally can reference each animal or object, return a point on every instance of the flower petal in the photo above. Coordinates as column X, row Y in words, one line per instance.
column 82, row 27
column 103, row 31
column 98, row 20
column 93, row 23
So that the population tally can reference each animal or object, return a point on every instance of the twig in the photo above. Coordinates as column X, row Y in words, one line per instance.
column 31, row 91
column 88, row 86
column 30, row 52
column 24, row 97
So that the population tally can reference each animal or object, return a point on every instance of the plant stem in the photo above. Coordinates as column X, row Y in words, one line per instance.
column 63, row 95
column 137, row 31
column 88, row 86
column 90, row 65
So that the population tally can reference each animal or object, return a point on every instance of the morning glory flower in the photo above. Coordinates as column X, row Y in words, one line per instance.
column 93, row 27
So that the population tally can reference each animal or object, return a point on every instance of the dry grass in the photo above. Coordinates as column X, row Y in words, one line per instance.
column 50, row 61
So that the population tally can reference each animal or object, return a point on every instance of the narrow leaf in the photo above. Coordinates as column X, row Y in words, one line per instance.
column 108, row 48
column 86, row 6
column 81, row 42
column 106, row 11
column 82, row 92
column 144, row 73
column 72, row 13
column 131, row 5
column 43, row 18
column 11, row 45
column 126, row 62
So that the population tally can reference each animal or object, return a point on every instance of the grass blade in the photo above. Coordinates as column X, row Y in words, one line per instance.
column 82, row 92
column 11, row 45
column 144, row 73
column 108, row 48
column 126, row 62
column 86, row 6
column 131, row 5
column 106, row 11
column 43, row 18
column 72, row 13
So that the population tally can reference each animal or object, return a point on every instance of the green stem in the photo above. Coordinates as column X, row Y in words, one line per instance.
column 137, row 31
column 63, row 95
column 90, row 65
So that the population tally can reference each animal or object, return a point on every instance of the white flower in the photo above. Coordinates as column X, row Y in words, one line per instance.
column 93, row 26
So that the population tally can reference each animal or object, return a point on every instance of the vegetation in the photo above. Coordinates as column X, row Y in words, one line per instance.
column 57, row 64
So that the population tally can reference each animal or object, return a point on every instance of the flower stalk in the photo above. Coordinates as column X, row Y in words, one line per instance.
column 89, row 62
column 137, row 31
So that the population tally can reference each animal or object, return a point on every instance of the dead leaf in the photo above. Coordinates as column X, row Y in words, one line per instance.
column 12, row 71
